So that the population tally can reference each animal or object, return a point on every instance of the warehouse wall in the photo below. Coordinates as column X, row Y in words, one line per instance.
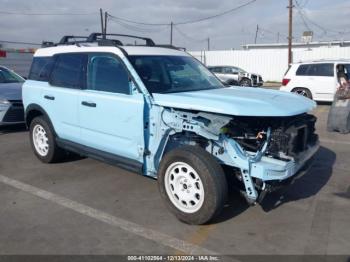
column 270, row 63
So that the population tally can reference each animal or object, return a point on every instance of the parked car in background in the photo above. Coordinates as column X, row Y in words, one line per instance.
column 232, row 75
column 11, row 106
column 317, row 80
column 158, row 111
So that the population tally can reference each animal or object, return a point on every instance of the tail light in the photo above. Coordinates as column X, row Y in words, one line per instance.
column 285, row 81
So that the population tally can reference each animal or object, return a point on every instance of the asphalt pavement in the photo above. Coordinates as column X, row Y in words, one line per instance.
column 83, row 206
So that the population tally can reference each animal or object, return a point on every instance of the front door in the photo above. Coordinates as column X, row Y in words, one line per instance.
column 111, row 115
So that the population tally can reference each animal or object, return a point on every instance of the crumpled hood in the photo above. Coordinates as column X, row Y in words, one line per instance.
column 239, row 101
column 11, row 91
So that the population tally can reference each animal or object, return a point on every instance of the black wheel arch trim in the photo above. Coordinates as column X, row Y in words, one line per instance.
column 36, row 107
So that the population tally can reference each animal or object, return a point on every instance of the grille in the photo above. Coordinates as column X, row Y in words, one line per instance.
column 254, row 79
column 15, row 113
column 295, row 139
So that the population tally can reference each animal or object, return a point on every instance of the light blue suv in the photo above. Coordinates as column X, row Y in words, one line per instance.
column 158, row 111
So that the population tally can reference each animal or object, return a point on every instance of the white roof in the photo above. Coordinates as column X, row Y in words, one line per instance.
column 131, row 50
column 324, row 61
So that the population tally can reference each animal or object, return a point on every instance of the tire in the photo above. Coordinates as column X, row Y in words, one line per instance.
column 245, row 82
column 42, row 140
column 205, row 186
column 303, row 92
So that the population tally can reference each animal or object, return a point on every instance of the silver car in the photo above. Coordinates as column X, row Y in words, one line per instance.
column 11, row 106
column 232, row 75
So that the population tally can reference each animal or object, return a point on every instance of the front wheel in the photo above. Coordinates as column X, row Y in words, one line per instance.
column 193, row 184
column 245, row 82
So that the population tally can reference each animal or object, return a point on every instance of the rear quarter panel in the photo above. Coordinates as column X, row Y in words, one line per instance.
column 32, row 93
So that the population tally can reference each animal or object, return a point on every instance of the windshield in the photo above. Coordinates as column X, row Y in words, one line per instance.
column 7, row 76
column 170, row 74
column 240, row 70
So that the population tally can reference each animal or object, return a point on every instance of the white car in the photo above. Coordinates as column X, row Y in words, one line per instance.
column 317, row 80
column 233, row 75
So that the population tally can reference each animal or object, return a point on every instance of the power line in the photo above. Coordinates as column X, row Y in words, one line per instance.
column 217, row 15
column 320, row 27
column 136, row 22
column 134, row 27
column 189, row 37
column 303, row 19
column 185, row 22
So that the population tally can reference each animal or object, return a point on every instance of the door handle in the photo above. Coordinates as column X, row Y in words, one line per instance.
column 49, row 97
column 89, row 104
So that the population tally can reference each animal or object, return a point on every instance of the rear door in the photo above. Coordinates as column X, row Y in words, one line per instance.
column 60, row 96
column 322, row 81
column 111, row 114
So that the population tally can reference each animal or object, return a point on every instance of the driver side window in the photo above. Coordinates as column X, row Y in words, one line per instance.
column 107, row 73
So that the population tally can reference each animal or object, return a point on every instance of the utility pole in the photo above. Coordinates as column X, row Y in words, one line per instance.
column 290, row 31
column 101, row 15
column 105, row 31
column 208, row 41
column 256, row 33
column 171, row 33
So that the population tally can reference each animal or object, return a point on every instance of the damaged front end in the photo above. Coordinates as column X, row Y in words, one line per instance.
column 263, row 152
column 273, row 151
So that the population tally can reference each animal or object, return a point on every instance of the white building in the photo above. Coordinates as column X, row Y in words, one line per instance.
column 271, row 60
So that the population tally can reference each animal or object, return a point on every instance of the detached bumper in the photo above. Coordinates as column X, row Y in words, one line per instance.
column 270, row 169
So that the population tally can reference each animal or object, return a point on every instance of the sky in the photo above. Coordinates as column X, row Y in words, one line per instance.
column 328, row 19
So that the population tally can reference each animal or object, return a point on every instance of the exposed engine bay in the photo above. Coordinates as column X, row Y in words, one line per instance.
column 289, row 135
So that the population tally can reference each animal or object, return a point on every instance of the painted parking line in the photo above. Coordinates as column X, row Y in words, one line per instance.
column 160, row 238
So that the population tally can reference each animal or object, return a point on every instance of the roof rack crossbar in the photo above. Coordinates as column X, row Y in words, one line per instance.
column 94, row 37
column 65, row 39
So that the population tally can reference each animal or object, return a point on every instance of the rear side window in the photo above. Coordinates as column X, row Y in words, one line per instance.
column 321, row 70
column 326, row 69
column 41, row 68
column 302, row 70
column 68, row 71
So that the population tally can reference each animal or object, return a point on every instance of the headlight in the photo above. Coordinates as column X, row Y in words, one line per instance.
column 4, row 102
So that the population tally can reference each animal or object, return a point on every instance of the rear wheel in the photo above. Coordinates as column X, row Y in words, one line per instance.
column 303, row 92
column 192, row 184
column 43, row 142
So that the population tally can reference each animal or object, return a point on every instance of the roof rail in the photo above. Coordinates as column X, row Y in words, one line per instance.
column 65, row 40
column 102, row 40
column 96, row 36
column 171, row 47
